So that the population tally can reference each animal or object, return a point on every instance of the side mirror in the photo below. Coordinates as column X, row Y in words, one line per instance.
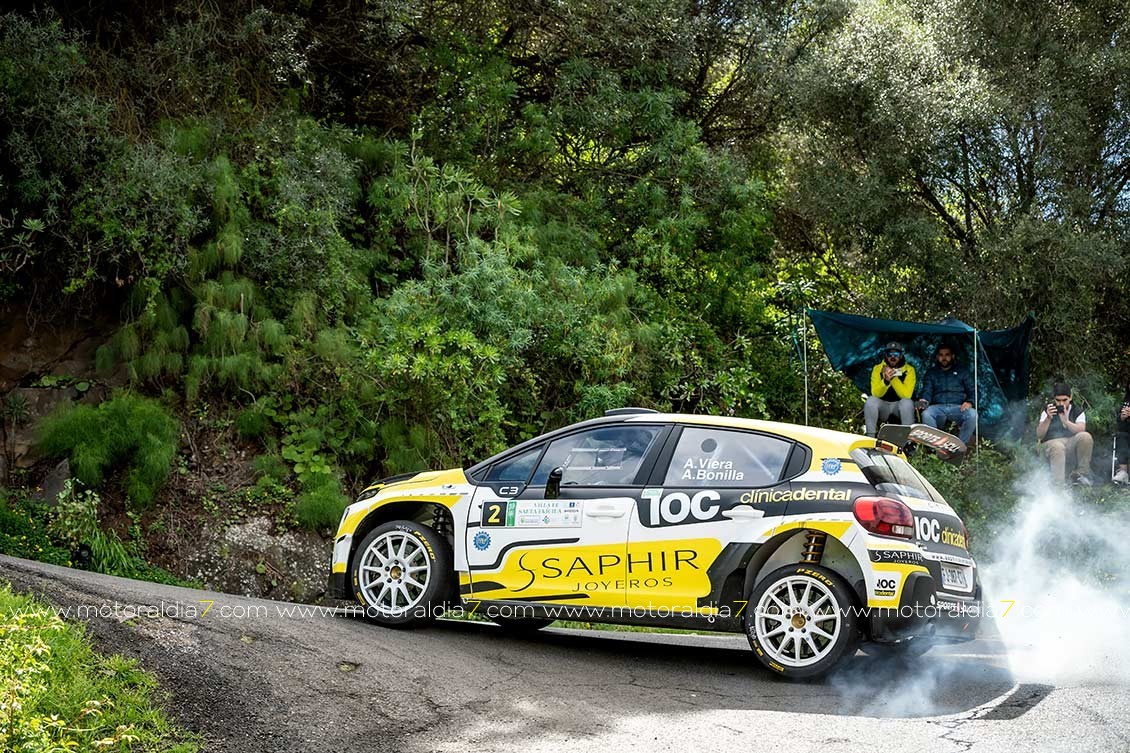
column 553, row 483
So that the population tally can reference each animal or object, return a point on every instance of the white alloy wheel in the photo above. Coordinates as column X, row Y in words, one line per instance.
column 797, row 621
column 394, row 573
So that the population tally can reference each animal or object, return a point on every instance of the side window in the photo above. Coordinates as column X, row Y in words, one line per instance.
column 608, row 456
column 718, row 457
column 517, row 468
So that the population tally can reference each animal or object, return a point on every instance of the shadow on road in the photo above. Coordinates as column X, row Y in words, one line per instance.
column 946, row 681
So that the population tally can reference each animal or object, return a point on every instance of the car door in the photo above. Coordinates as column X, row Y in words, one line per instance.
column 527, row 541
column 701, row 511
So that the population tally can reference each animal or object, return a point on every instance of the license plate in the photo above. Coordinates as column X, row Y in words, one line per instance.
column 954, row 577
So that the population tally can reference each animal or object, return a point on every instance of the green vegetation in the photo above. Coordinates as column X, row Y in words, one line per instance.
column 57, row 693
column 74, row 523
column 127, row 431
column 541, row 213
column 24, row 532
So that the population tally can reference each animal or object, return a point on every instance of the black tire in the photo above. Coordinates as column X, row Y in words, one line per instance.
column 775, row 633
column 381, row 565
column 520, row 625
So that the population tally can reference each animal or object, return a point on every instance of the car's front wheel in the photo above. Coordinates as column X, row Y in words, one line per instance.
column 800, row 621
column 402, row 572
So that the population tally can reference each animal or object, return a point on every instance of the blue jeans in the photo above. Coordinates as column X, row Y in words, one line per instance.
column 966, row 420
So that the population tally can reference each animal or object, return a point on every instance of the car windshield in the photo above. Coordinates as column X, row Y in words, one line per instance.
column 890, row 474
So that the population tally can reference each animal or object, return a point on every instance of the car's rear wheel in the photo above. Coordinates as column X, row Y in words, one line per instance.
column 800, row 621
column 402, row 572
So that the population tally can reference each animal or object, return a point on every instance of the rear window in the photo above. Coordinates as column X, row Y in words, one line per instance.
column 710, row 457
column 890, row 474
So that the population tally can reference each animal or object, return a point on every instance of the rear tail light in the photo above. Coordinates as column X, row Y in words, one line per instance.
column 885, row 516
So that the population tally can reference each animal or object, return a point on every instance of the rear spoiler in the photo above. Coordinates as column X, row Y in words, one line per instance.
column 949, row 448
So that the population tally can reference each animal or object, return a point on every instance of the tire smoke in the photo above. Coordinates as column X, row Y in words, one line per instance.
column 1057, row 584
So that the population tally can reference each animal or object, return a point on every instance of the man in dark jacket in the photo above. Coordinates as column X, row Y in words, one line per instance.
column 1122, row 440
column 1063, row 436
column 947, row 394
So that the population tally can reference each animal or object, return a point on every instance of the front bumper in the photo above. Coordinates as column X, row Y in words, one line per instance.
column 925, row 610
column 338, row 586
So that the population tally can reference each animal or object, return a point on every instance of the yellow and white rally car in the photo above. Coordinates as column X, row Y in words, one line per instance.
column 808, row 540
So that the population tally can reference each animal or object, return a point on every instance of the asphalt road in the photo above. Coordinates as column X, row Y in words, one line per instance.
column 255, row 675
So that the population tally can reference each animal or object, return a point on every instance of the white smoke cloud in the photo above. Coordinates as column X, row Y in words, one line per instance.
column 1056, row 579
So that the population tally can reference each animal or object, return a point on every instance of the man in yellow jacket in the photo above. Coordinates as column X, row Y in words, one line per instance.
column 892, row 387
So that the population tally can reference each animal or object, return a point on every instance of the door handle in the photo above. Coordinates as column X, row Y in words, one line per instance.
column 743, row 513
column 605, row 511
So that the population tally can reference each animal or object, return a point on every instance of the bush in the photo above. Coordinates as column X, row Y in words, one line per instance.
column 23, row 532
column 126, row 432
column 270, row 467
column 252, row 423
column 75, row 523
column 319, row 508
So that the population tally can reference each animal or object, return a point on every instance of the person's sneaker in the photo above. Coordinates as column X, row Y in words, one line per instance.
column 1122, row 477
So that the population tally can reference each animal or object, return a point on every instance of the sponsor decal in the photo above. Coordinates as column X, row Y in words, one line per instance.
column 668, row 574
column 896, row 556
column 799, row 494
column 940, row 441
column 886, row 585
column 532, row 513
column 951, row 559
column 482, row 541
column 931, row 529
column 831, row 466
column 679, row 507
column 607, row 571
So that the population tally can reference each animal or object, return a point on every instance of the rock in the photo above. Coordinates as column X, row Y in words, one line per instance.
column 250, row 559
column 52, row 485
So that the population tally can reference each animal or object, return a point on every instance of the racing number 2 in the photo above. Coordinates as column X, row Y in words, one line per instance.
column 494, row 513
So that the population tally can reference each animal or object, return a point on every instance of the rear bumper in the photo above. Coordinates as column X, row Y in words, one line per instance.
column 924, row 610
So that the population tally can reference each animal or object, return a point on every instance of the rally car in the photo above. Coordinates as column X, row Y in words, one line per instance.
column 808, row 540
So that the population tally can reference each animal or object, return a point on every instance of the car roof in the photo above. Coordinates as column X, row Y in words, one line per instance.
column 810, row 435
column 798, row 432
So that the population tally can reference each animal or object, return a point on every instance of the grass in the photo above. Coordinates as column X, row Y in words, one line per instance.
column 126, row 432
column 57, row 693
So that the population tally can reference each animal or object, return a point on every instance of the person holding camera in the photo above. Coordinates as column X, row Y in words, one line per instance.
column 1062, row 433
column 892, row 385
column 947, row 394
column 1122, row 441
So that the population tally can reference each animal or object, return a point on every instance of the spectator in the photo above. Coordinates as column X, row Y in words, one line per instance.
column 947, row 394
column 892, row 386
column 1063, row 435
column 1122, row 440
